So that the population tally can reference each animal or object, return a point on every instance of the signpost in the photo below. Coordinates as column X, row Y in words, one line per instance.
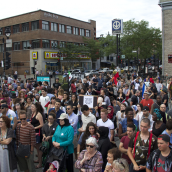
column 122, row 56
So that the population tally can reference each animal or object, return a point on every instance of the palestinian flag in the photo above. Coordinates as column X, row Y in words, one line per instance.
column 70, row 75
column 46, row 106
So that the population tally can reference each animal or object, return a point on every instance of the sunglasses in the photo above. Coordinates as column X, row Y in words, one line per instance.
column 108, row 109
column 89, row 146
column 2, row 108
column 120, row 162
column 67, row 108
column 23, row 119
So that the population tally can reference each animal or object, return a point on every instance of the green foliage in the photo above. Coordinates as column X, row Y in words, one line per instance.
column 138, row 36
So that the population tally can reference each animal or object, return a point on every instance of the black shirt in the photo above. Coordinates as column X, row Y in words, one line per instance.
column 56, row 85
column 134, row 99
column 165, row 97
column 158, row 131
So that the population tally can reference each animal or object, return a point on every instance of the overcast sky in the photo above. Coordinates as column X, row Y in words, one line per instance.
column 100, row 11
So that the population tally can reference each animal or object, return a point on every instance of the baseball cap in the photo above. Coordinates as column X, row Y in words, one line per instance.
column 63, row 116
column 146, row 108
column 164, row 137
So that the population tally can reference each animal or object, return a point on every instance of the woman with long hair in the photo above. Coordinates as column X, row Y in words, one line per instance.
column 74, row 103
column 65, row 99
column 90, row 131
column 22, row 97
column 52, row 104
column 121, row 95
column 28, row 107
column 60, row 94
column 37, row 122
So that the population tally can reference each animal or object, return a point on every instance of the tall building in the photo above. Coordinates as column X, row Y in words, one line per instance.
column 35, row 36
column 166, row 6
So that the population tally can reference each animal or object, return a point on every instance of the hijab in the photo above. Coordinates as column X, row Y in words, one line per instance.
column 66, row 121
column 104, row 132
column 110, row 115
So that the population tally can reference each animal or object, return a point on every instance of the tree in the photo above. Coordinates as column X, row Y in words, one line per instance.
column 139, row 37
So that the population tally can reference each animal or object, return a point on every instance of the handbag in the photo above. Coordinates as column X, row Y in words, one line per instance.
column 23, row 150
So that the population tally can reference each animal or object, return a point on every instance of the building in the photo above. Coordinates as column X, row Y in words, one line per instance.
column 35, row 36
column 166, row 6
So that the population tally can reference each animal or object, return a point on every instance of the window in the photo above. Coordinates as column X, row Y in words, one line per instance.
column 26, row 45
column 82, row 32
column 87, row 33
column 77, row 44
column 54, row 27
column 45, row 43
column 54, row 44
column 75, row 30
column 35, row 25
column 61, row 28
column 69, row 29
column 16, row 28
column 62, row 44
column 45, row 25
column 16, row 45
column 36, row 44
column 1, row 47
column 25, row 27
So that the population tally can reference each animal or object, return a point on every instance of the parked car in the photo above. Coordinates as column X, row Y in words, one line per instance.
column 105, row 70
column 126, row 68
column 80, row 68
column 90, row 72
column 76, row 71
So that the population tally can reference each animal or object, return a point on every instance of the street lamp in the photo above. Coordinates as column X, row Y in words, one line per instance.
column 7, row 33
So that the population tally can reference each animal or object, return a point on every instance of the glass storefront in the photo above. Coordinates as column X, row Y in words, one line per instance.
column 50, row 66
column 73, row 65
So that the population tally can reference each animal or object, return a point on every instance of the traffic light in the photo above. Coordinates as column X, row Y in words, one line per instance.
column 58, row 62
column 33, row 70
column 7, row 61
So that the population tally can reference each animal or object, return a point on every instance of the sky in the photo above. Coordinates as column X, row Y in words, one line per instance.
column 101, row 11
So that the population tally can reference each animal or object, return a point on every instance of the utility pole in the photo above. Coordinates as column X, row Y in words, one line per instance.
column 117, row 49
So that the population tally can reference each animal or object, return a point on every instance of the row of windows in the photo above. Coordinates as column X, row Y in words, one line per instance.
column 54, row 27
column 36, row 44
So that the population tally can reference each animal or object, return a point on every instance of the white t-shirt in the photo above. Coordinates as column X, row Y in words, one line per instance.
column 108, row 124
column 10, row 80
column 158, row 86
column 87, row 119
column 118, row 116
column 44, row 101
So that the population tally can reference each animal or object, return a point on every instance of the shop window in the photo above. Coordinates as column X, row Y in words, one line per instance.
column 45, row 43
column 82, row 32
column 36, row 44
column 62, row 44
column 45, row 25
column 16, row 28
column 26, row 45
column 62, row 28
column 16, row 45
column 25, row 27
column 69, row 29
column 54, row 27
column 35, row 25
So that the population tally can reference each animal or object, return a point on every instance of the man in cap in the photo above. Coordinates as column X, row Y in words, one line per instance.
column 160, row 159
column 147, row 101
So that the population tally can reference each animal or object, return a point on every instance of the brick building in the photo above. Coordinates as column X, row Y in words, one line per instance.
column 166, row 6
column 35, row 36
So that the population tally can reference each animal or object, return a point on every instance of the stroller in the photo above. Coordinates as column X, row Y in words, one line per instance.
column 61, row 160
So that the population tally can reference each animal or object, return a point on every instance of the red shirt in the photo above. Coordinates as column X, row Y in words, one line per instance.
column 73, row 88
column 148, row 103
column 125, row 140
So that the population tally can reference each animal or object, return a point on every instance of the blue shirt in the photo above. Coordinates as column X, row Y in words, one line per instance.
column 164, row 132
column 124, row 124
column 58, row 113
column 64, row 136
column 100, row 82
column 73, row 120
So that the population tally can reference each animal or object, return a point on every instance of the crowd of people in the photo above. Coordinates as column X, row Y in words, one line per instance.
column 129, row 129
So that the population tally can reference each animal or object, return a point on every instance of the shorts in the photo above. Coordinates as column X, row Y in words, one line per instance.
column 26, row 163
column 38, row 139
column 75, row 141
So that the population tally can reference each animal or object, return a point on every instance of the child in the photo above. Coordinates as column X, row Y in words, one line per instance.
column 54, row 166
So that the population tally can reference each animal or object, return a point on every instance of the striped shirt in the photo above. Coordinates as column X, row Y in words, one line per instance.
column 27, row 135
column 92, row 165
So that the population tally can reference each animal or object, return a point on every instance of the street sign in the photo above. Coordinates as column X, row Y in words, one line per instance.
column 8, row 43
column 122, row 56
column 117, row 26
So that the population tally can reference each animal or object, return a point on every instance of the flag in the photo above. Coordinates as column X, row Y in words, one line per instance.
column 143, row 90
column 115, row 77
column 46, row 106
column 70, row 75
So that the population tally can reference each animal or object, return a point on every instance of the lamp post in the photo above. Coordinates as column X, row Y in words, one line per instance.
column 7, row 33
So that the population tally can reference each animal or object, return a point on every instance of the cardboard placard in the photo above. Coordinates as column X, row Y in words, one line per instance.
column 89, row 100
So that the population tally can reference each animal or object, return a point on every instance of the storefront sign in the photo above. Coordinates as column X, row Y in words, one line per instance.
column 170, row 58
column 44, row 78
column 51, row 15
column 35, row 55
column 54, row 55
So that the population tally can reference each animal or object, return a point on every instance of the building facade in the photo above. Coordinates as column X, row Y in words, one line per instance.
column 166, row 6
column 35, row 37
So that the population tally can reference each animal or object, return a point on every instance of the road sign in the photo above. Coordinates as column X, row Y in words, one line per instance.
column 8, row 42
column 117, row 26
column 122, row 56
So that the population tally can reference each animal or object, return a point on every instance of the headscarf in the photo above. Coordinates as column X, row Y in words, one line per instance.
column 158, row 114
column 110, row 115
column 66, row 123
column 104, row 132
